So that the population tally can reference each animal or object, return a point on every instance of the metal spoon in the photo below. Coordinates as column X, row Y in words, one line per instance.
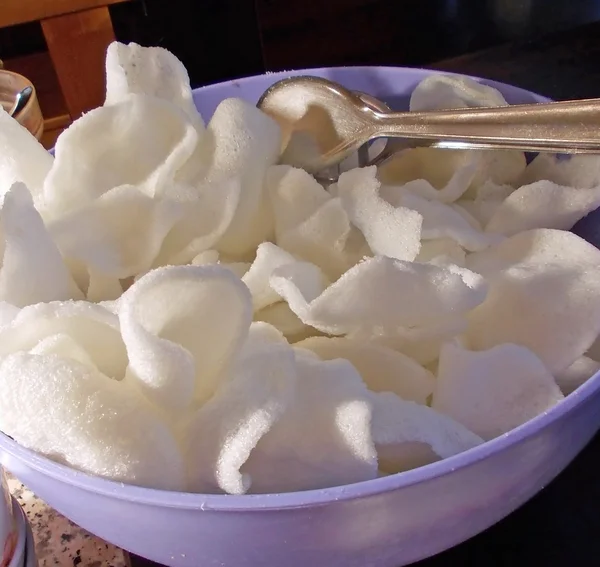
column 365, row 155
column 21, row 101
column 323, row 123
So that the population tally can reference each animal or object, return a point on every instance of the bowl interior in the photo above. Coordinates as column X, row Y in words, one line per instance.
column 394, row 86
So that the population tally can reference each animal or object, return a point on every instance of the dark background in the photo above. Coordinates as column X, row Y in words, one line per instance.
column 222, row 39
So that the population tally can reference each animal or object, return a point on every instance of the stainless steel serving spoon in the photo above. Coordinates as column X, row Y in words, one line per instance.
column 323, row 123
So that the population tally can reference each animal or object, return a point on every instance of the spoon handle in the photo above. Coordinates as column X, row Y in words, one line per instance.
column 567, row 127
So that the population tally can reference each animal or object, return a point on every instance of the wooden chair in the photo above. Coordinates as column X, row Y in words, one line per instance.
column 77, row 33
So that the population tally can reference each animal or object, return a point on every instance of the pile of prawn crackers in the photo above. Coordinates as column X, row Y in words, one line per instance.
column 180, row 310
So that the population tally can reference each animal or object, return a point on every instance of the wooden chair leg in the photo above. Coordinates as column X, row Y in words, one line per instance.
column 77, row 44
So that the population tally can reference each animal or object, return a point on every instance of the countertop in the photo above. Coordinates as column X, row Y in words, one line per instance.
column 59, row 542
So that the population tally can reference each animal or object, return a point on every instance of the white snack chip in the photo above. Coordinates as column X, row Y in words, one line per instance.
column 381, row 368
column 32, row 268
column 249, row 330
column 502, row 167
column 488, row 197
column 442, row 221
column 442, row 175
column 429, row 293
column 244, row 142
column 447, row 175
column 579, row 171
column 543, row 204
column 577, row 374
column 439, row 92
column 205, row 258
column 8, row 313
column 493, row 391
column 466, row 215
column 133, row 69
column 422, row 343
column 101, row 287
column 311, row 224
column 389, row 231
column 441, row 251
column 298, row 284
column 142, row 141
column 117, row 235
column 295, row 196
column 327, row 239
column 324, row 437
column 482, row 210
column 238, row 268
column 178, row 349
column 494, row 191
column 280, row 316
column 408, row 435
column 208, row 212
column 72, row 413
column 262, row 334
column 22, row 157
column 544, row 294
column 63, row 346
column 594, row 351
column 268, row 257
column 224, row 431
column 94, row 328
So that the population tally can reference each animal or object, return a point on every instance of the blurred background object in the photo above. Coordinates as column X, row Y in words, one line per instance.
column 59, row 44
column 30, row 116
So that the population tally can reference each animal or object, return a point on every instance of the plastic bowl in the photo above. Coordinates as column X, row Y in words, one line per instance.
column 387, row 522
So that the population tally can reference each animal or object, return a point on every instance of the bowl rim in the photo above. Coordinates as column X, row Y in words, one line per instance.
column 317, row 497
column 421, row 72
column 303, row 499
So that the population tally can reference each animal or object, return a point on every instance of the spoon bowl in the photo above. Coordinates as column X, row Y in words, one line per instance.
column 322, row 122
